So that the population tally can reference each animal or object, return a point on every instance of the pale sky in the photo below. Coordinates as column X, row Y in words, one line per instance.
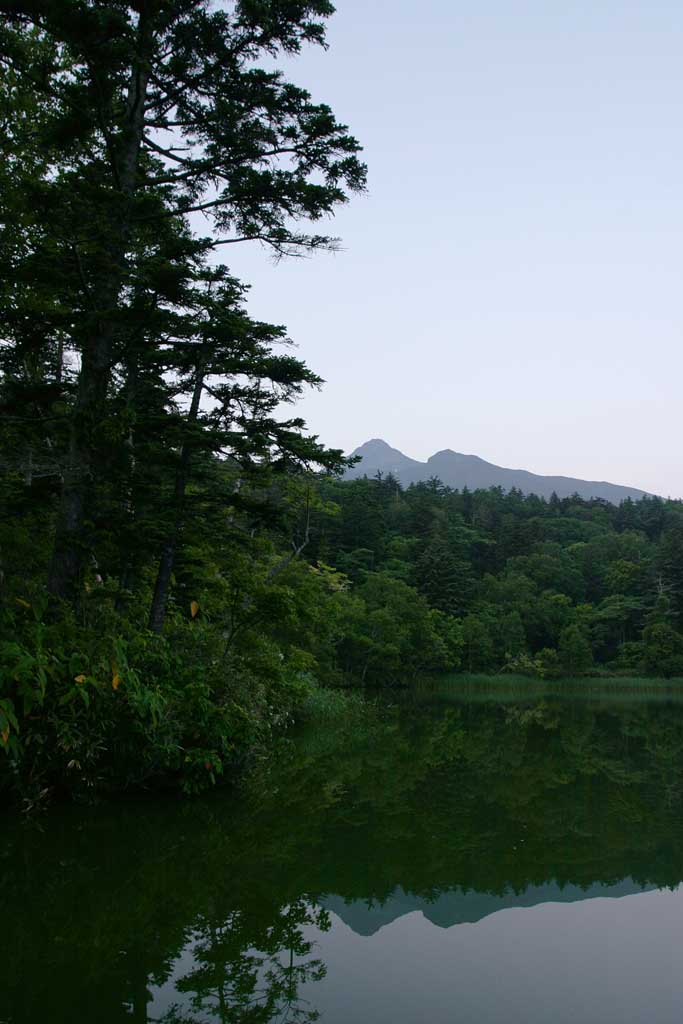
column 510, row 286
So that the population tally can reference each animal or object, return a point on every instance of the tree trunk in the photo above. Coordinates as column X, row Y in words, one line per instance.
column 70, row 541
column 162, row 587
column 127, row 547
column 96, row 362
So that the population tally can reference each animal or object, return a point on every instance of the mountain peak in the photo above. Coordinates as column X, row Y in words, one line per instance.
column 379, row 457
column 457, row 470
column 375, row 444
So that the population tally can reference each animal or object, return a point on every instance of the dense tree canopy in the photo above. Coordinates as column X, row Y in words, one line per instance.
column 528, row 585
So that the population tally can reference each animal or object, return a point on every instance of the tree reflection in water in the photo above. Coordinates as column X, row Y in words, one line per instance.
column 237, row 985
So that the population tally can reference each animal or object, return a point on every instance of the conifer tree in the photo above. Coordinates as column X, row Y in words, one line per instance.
column 153, row 111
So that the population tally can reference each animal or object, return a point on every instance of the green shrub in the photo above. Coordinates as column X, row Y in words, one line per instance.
column 84, row 710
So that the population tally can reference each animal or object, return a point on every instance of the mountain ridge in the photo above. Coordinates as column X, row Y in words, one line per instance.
column 458, row 470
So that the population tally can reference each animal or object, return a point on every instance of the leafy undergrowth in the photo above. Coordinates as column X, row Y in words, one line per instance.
column 85, row 711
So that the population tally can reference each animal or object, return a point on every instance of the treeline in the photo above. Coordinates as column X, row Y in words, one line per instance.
column 350, row 583
column 507, row 581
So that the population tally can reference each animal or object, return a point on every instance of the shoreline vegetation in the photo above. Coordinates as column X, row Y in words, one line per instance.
column 184, row 570
column 589, row 687
column 333, row 706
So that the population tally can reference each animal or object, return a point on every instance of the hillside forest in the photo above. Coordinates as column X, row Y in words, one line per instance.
column 182, row 564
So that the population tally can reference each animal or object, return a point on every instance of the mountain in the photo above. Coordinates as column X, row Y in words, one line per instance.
column 458, row 471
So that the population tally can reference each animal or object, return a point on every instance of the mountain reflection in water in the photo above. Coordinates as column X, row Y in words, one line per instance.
column 296, row 898
column 457, row 907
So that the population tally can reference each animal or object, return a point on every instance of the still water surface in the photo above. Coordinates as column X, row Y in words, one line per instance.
column 446, row 860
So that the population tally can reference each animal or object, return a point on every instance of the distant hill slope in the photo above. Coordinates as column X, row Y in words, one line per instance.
column 470, row 471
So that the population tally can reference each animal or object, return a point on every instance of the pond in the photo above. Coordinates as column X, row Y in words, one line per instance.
column 440, row 859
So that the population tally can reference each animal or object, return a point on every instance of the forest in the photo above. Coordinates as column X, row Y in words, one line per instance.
column 505, row 581
column 182, row 564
